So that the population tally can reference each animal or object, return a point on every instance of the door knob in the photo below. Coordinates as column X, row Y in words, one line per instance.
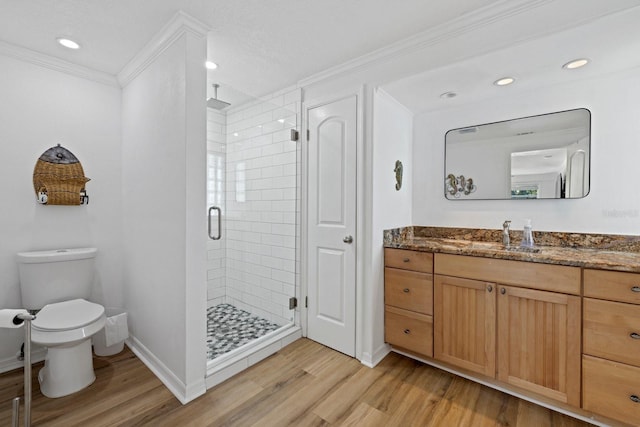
column 348, row 239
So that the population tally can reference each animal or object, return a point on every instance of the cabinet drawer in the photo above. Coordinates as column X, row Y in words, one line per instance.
column 409, row 290
column 612, row 330
column 545, row 277
column 409, row 330
column 612, row 285
column 611, row 389
column 408, row 260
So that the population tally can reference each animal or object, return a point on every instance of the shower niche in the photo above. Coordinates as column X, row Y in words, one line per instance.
column 253, row 190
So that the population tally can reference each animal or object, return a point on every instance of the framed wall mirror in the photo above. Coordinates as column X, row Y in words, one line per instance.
column 537, row 157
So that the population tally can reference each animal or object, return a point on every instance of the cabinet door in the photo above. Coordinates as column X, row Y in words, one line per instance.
column 539, row 342
column 464, row 323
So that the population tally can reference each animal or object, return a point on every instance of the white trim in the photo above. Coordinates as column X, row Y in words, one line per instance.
column 577, row 413
column 363, row 220
column 56, row 64
column 11, row 363
column 371, row 361
column 184, row 393
column 180, row 24
column 304, row 212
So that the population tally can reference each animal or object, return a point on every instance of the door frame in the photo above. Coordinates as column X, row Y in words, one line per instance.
column 360, row 239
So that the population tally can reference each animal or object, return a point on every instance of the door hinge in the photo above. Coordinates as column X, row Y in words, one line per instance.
column 293, row 303
column 295, row 135
column 308, row 135
column 306, row 302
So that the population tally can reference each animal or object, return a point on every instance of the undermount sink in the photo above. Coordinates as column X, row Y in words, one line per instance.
column 485, row 245
column 522, row 249
column 491, row 246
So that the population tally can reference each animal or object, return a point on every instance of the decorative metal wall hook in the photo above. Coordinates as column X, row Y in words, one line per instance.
column 398, row 171
column 458, row 185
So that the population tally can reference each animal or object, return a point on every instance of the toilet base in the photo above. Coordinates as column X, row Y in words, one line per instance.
column 67, row 369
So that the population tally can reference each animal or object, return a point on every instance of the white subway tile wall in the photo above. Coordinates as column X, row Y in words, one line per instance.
column 261, row 215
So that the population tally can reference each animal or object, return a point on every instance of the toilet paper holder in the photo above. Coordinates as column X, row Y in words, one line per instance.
column 26, row 318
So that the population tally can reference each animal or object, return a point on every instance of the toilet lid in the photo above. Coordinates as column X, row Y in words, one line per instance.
column 62, row 316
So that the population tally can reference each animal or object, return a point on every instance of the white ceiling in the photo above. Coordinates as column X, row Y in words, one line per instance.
column 610, row 39
column 260, row 45
column 266, row 45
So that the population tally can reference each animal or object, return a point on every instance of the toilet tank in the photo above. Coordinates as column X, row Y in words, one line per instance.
column 56, row 275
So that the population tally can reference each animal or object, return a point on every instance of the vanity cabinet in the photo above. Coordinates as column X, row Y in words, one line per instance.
column 408, row 299
column 515, row 321
column 611, row 345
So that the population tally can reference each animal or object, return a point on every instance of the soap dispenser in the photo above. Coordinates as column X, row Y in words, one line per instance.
column 527, row 235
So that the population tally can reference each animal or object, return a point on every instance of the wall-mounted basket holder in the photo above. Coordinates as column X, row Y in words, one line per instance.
column 58, row 178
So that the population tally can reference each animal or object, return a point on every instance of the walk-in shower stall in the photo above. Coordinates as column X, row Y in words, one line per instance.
column 253, row 193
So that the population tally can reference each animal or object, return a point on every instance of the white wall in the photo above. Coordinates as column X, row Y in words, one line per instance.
column 164, row 151
column 40, row 108
column 391, row 141
column 615, row 129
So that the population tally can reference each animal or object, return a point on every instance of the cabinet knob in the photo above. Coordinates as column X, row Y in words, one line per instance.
column 490, row 288
column 406, row 260
column 407, row 331
column 635, row 289
column 635, row 335
column 405, row 290
column 634, row 398
column 503, row 291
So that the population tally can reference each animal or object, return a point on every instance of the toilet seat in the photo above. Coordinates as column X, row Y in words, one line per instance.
column 67, row 322
column 66, row 315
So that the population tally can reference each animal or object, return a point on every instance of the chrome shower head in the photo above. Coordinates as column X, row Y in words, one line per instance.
column 215, row 102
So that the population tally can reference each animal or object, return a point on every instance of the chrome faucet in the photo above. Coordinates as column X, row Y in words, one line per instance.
column 506, row 241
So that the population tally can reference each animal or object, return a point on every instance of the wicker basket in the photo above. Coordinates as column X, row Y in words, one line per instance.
column 59, row 174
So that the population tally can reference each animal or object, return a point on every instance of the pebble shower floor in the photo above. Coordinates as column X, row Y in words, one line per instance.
column 229, row 327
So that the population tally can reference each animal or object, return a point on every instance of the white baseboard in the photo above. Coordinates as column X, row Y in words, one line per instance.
column 370, row 360
column 184, row 393
column 11, row 363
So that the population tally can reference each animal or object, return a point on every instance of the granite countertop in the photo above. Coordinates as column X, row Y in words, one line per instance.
column 606, row 252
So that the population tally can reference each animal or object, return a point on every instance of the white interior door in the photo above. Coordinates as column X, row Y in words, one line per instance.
column 331, row 281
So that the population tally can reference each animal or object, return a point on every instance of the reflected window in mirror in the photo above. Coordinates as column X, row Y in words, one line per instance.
column 537, row 157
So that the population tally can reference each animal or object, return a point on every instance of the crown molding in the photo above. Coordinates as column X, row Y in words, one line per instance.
column 180, row 24
column 488, row 15
column 56, row 64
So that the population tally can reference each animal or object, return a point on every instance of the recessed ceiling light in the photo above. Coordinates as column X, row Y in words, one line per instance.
column 211, row 65
column 576, row 63
column 504, row 81
column 68, row 43
column 447, row 95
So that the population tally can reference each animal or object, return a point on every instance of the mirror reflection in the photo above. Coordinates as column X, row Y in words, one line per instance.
column 539, row 157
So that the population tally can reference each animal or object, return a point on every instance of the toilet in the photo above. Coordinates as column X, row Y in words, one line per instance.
column 56, row 284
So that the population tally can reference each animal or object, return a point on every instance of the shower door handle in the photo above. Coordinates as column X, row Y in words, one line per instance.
column 219, row 223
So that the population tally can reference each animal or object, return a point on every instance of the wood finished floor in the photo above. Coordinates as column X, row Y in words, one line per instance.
column 304, row 384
